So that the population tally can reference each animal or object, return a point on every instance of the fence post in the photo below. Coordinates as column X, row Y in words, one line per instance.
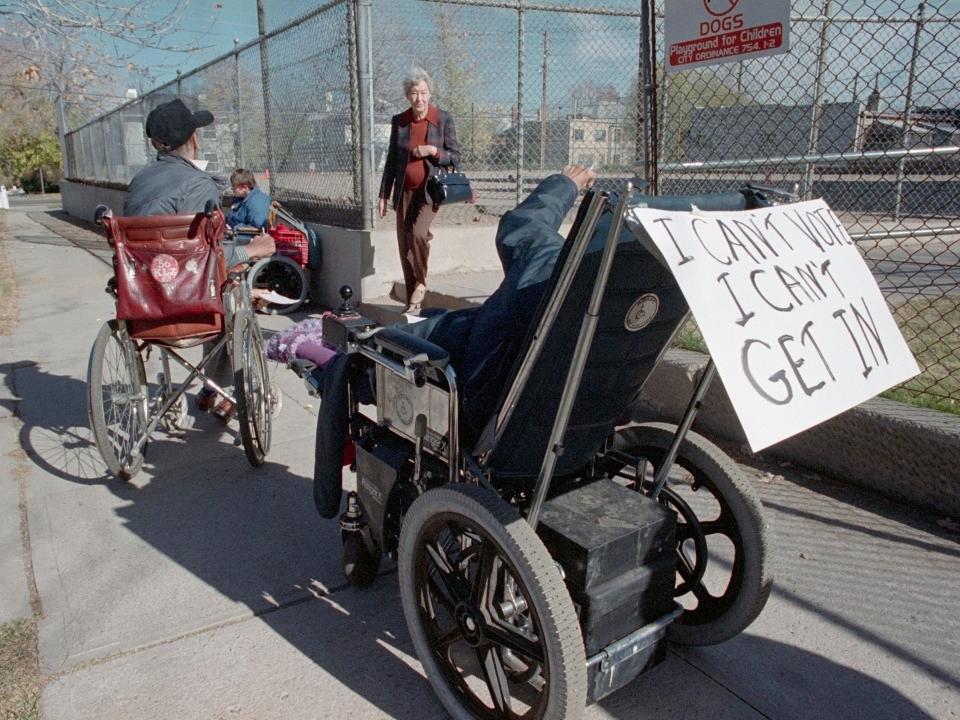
column 543, row 106
column 238, row 137
column 911, row 77
column 519, row 190
column 265, row 77
column 817, row 110
column 65, row 162
column 365, row 108
column 646, row 89
column 106, row 159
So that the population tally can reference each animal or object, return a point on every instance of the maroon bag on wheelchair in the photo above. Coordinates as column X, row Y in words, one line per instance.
column 169, row 273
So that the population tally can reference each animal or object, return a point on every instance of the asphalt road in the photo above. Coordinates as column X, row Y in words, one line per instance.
column 206, row 589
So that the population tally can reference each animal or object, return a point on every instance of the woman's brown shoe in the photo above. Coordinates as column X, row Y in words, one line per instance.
column 417, row 296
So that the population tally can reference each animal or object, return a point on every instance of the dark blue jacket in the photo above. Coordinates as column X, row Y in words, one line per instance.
column 251, row 210
column 440, row 133
column 484, row 342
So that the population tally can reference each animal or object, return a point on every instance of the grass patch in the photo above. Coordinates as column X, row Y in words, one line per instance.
column 8, row 287
column 19, row 671
column 931, row 327
column 690, row 338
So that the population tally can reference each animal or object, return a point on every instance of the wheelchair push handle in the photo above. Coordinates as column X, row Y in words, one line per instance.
column 100, row 213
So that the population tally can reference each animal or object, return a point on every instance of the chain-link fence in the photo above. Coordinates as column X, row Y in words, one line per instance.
column 285, row 107
column 864, row 110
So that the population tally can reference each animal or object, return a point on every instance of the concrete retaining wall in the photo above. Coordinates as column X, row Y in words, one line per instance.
column 903, row 452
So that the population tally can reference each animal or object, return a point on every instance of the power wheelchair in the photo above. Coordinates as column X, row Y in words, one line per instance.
column 546, row 563
column 124, row 408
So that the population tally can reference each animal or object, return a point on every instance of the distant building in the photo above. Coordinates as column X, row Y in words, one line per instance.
column 762, row 131
column 601, row 142
column 757, row 131
column 929, row 127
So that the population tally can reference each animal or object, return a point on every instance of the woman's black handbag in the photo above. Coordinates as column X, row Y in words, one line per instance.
column 448, row 187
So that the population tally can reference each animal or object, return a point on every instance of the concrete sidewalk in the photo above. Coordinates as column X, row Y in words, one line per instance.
column 206, row 589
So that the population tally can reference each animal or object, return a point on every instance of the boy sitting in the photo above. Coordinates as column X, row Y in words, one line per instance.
column 253, row 204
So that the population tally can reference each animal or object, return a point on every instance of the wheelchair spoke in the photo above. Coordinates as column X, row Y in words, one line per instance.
column 496, row 680
column 720, row 526
column 442, row 592
column 482, row 575
column 455, row 586
column 515, row 641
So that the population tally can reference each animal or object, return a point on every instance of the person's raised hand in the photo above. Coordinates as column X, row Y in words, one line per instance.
column 382, row 207
column 261, row 246
column 582, row 176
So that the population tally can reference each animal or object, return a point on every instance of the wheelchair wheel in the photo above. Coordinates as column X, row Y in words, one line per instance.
column 282, row 275
column 251, row 383
column 723, row 543
column 117, row 399
column 487, row 610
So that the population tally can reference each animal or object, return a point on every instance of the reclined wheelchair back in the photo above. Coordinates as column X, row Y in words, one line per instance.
column 539, row 563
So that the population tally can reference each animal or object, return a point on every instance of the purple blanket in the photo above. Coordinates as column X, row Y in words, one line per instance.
column 302, row 340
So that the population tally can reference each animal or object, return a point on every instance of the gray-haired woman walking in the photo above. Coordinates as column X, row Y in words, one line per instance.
column 422, row 140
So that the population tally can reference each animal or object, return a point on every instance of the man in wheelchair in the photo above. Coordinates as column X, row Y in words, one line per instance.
column 177, row 184
column 542, row 540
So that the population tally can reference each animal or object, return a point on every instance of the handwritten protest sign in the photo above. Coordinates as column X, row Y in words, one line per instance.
column 793, row 318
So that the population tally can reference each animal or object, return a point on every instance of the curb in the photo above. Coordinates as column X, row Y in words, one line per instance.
column 903, row 452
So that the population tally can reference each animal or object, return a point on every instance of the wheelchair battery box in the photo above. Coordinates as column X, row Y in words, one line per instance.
column 338, row 330
column 378, row 468
column 616, row 548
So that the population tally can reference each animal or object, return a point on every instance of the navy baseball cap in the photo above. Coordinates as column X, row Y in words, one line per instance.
column 172, row 123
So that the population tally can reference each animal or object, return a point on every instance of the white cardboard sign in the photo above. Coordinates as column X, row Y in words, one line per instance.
column 794, row 320
column 707, row 32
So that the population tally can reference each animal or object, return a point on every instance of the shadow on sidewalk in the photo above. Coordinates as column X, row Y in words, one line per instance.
column 784, row 682
column 251, row 535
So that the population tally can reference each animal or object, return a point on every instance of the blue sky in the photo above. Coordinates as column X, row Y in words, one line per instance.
column 215, row 25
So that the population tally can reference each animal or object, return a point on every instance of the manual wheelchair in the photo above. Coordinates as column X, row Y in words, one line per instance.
column 124, row 409
column 545, row 562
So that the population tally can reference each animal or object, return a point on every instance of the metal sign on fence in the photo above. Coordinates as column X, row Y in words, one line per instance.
column 707, row 32
column 794, row 320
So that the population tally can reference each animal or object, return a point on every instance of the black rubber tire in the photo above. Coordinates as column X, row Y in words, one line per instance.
column 519, row 565
column 251, row 384
column 360, row 563
column 117, row 412
column 282, row 275
column 722, row 617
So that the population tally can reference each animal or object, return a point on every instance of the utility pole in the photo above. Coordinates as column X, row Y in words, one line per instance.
column 543, row 105
column 908, row 101
column 817, row 110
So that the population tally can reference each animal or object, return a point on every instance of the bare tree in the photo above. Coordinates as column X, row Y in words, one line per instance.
column 83, row 49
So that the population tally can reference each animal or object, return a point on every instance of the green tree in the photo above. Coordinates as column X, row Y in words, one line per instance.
column 27, row 153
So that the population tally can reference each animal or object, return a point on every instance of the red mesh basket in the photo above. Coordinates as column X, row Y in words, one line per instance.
column 291, row 243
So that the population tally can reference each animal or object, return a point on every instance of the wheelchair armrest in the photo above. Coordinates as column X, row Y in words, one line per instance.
column 414, row 350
